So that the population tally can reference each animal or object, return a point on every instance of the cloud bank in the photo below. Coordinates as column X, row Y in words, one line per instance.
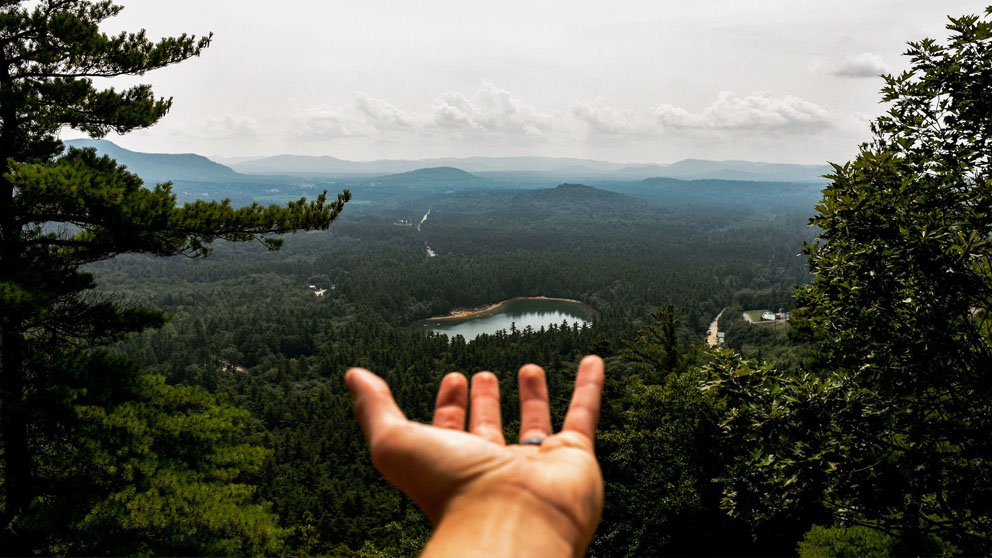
column 494, row 114
column 490, row 110
column 759, row 112
column 609, row 120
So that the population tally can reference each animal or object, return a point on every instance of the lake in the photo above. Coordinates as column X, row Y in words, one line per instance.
column 521, row 312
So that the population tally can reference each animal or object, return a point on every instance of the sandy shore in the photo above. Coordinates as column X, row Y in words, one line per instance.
column 463, row 313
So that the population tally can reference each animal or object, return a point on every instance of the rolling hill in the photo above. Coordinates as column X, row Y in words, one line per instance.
column 162, row 167
column 437, row 176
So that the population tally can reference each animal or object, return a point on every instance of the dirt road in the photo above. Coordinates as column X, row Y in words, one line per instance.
column 714, row 326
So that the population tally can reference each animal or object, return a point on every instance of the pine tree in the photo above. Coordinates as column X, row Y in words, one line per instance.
column 60, row 211
column 658, row 347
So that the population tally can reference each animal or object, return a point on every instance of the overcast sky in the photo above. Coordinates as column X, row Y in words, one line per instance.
column 627, row 81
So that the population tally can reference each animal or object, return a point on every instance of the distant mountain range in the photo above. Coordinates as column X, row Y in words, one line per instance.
column 160, row 167
column 301, row 164
column 688, row 169
column 694, row 169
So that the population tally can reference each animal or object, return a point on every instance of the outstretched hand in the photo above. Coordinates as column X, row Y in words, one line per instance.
column 482, row 495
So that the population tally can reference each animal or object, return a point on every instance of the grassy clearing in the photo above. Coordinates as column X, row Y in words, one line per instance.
column 755, row 315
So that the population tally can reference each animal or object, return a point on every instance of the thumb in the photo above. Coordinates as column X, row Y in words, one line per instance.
column 375, row 407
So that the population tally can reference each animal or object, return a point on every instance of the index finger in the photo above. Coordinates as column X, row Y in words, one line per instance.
column 583, row 411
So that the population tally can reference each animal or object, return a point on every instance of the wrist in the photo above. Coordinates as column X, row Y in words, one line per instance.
column 507, row 523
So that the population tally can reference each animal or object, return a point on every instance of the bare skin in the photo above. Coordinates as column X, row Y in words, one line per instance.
column 484, row 497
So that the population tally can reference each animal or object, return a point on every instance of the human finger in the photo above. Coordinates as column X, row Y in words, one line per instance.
column 452, row 402
column 374, row 404
column 535, row 413
column 484, row 416
column 583, row 411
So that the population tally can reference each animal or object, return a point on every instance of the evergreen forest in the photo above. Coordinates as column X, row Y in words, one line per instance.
column 173, row 385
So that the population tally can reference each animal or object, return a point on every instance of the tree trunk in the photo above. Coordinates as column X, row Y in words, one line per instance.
column 16, row 459
column 13, row 422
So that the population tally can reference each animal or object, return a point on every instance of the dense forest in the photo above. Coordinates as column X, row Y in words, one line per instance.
column 247, row 326
column 157, row 401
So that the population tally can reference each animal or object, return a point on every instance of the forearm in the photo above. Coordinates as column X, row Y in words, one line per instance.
column 499, row 527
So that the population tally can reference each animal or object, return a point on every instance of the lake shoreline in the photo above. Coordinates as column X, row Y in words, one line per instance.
column 469, row 313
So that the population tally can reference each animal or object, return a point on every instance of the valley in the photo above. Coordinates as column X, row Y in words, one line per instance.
column 244, row 325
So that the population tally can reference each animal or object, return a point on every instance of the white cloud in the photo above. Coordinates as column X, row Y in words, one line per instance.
column 230, row 126
column 329, row 122
column 759, row 112
column 382, row 115
column 608, row 120
column 491, row 110
column 227, row 127
column 864, row 65
column 492, row 113
column 367, row 116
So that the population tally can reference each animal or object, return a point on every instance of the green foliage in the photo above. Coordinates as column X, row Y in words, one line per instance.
column 246, row 324
column 658, row 461
column 657, row 347
column 114, row 214
column 53, row 50
column 885, row 427
column 845, row 542
column 902, row 266
column 762, row 343
column 121, row 463
column 778, row 444
column 888, row 427
column 660, row 446
column 60, row 212
column 148, row 468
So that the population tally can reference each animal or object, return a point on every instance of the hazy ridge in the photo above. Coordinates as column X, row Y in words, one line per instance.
column 193, row 167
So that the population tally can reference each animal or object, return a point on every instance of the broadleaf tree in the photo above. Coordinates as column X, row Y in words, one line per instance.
column 61, row 210
column 890, row 426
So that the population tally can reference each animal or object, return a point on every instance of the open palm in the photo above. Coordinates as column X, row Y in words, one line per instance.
column 450, row 471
